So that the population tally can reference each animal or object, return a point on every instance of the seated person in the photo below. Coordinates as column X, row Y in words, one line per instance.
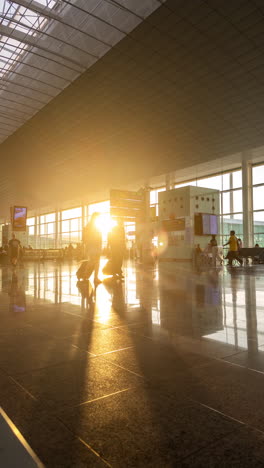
column 256, row 259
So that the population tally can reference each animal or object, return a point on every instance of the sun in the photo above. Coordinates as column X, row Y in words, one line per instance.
column 105, row 223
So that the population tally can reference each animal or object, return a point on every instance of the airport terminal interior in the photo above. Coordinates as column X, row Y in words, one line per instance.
column 144, row 114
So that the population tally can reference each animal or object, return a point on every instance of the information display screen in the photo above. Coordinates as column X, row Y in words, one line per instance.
column 19, row 218
column 210, row 225
column 213, row 224
column 205, row 224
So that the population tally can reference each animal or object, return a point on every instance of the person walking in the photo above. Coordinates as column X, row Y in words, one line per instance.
column 117, row 246
column 92, row 239
column 14, row 250
column 233, row 253
column 215, row 251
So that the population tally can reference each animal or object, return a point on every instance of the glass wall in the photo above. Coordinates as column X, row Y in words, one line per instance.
column 258, row 203
column 47, row 231
column 231, row 210
column 231, row 207
column 70, row 227
column 32, row 232
column 59, row 230
column 154, row 201
column 100, row 207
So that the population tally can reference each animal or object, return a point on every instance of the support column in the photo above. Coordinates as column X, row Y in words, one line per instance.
column 147, row 234
column 169, row 181
column 247, row 201
column 84, row 216
column 231, row 195
column 56, row 229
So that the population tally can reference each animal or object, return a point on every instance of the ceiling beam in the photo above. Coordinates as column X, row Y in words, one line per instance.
column 10, row 61
column 6, row 90
column 40, row 9
column 12, row 126
column 77, row 7
column 50, row 36
column 12, row 118
column 16, row 110
column 21, row 37
column 15, row 83
column 18, row 103
column 29, row 78
column 33, row 52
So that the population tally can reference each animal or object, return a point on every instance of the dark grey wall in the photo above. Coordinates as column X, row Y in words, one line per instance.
column 186, row 86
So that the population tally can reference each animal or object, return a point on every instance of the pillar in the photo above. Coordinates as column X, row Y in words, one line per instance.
column 247, row 201
column 56, row 229
column 169, row 181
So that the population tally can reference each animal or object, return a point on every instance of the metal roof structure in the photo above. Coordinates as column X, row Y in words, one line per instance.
column 46, row 44
column 184, row 87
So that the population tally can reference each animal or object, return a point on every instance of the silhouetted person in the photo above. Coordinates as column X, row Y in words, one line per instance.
column 214, row 250
column 3, row 256
column 70, row 251
column 92, row 239
column 213, row 241
column 117, row 246
column 233, row 249
column 14, row 250
column 256, row 259
column 239, row 244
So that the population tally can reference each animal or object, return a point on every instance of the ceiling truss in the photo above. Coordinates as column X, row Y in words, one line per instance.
column 47, row 44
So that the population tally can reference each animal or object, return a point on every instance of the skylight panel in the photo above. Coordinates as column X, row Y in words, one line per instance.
column 1, row 6
column 7, row 53
column 11, row 42
column 18, row 27
column 46, row 3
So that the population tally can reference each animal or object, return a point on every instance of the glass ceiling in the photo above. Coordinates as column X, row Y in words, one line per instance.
column 47, row 44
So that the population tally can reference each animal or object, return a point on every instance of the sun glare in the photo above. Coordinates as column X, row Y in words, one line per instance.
column 105, row 223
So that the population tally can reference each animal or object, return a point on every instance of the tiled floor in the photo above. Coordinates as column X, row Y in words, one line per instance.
column 164, row 370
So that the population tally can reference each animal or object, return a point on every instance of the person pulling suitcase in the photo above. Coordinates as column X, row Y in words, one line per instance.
column 92, row 239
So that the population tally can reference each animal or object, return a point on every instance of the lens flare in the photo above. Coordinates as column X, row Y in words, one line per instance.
column 105, row 223
column 163, row 242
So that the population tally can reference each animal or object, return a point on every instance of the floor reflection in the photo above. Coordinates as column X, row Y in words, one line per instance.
column 224, row 306
column 164, row 360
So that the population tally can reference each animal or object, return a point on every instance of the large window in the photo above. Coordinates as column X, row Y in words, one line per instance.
column 154, row 201
column 70, row 227
column 47, row 231
column 43, row 231
column 258, row 203
column 32, row 231
column 100, row 207
column 231, row 210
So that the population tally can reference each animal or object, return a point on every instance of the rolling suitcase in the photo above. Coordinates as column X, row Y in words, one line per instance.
column 108, row 268
column 85, row 270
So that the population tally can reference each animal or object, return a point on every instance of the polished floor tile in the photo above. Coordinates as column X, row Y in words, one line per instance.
column 77, row 381
column 56, row 445
column 155, row 362
column 242, row 449
column 165, row 369
column 142, row 428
